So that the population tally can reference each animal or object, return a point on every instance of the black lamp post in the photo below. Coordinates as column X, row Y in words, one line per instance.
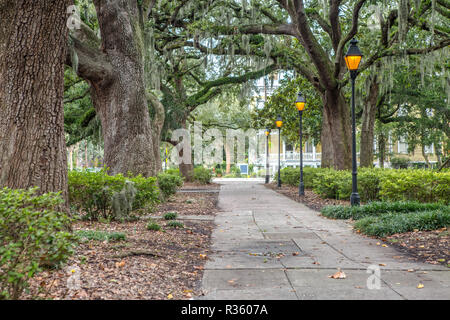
column 352, row 59
column 279, row 123
column 300, row 104
column 267, row 133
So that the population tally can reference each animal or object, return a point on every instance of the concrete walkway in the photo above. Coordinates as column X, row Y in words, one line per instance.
column 267, row 246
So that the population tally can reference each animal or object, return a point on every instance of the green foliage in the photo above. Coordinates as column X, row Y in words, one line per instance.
column 174, row 171
column 86, row 235
column 98, row 194
column 170, row 215
column 391, row 223
column 175, row 224
column 168, row 183
column 379, row 208
column 420, row 185
column 33, row 234
column 399, row 163
column 153, row 226
column 374, row 184
column 333, row 184
column 291, row 176
column 202, row 175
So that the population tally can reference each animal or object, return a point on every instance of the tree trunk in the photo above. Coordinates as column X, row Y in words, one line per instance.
column 336, row 132
column 33, row 41
column 227, row 158
column 381, row 149
column 368, row 124
column 114, row 66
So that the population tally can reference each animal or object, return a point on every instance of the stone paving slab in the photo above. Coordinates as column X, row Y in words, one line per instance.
column 256, row 222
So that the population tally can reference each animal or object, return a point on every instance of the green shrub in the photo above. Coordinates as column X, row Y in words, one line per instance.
column 175, row 224
column 333, row 184
column 392, row 223
column 235, row 172
column 399, row 163
column 378, row 208
column 112, row 197
column 170, row 216
column 218, row 172
column 96, row 235
column 419, row 185
column 153, row 226
column 33, row 235
column 291, row 176
column 202, row 175
column 173, row 171
column 168, row 183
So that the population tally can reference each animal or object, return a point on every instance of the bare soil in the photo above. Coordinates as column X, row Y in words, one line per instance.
column 156, row 265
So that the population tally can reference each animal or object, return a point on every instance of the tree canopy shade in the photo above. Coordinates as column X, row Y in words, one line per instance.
column 321, row 31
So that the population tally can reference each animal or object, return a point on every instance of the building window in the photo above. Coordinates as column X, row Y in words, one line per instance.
column 429, row 149
column 289, row 147
column 402, row 145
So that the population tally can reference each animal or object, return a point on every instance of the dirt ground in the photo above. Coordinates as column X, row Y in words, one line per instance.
column 166, row 264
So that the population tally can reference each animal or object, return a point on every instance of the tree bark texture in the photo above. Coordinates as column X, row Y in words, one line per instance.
column 114, row 66
column 336, row 132
column 368, row 124
column 33, row 42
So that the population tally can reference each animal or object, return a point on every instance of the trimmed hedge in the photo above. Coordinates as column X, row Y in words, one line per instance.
column 379, row 208
column 392, row 223
column 374, row 184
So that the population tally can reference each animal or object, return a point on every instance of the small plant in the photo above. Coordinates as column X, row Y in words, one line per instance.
column 175, row 224
column 33, row 235
column 153, row 226
column 170, row 215
column 202, row 175
column 168, row 184
column 86, row 235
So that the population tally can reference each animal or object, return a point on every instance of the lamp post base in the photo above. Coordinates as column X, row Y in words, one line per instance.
column 301, row 189
column 355, row 199
column 267, row 179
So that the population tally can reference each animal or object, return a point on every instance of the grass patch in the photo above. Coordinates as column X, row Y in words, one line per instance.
column 175, row 224
column 391, row 223
column 86, row 235
column 153, row 226
column 379, row 208
column 170, row 216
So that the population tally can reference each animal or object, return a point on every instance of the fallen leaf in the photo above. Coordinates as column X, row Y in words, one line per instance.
column 316, row 262
column 295, row 253
column 202, row 256
column 169, row 296
column 384, row 245
column 199, row 267
column 378, row 243
column 120, row 264
column 420, row 286
column 382, row 265
column 410, row 270
column 338, row 275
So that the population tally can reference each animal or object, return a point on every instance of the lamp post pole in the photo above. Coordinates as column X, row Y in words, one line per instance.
column 267, row 156
column 279, row 154
column 301, row 186
column 353, row 59
column 354, row 198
